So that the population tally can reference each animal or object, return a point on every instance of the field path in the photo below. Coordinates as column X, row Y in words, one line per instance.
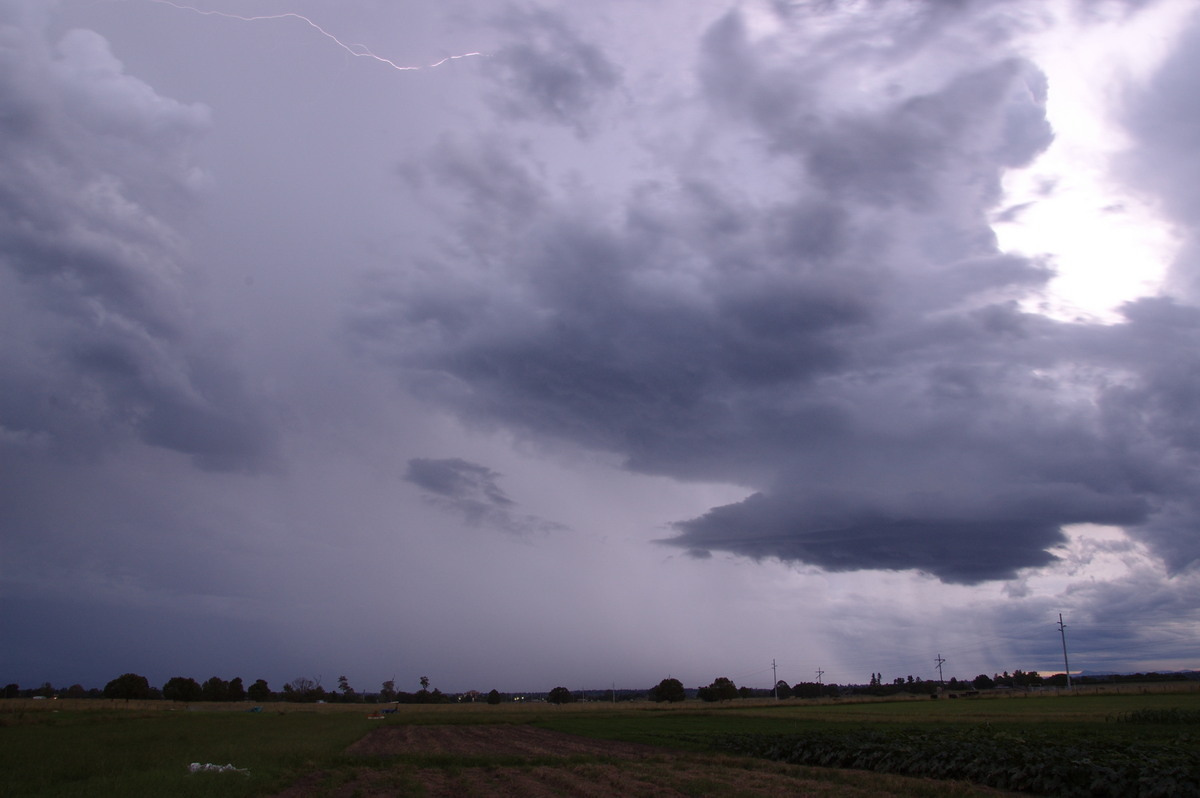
column 551, row 763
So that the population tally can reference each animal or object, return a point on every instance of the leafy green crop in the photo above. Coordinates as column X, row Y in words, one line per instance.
column 1173, row 716
column 1029, row 763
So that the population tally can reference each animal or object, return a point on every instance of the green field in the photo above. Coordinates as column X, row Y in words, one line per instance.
column 112, row 753
column 94, row 749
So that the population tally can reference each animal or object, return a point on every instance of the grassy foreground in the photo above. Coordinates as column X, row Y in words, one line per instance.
column 133, row 753
column 63, row 750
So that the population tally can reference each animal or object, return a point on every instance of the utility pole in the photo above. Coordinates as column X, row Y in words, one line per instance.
column 939, row 662
column 820, row 673
column 775, row 679
column 1062, row 630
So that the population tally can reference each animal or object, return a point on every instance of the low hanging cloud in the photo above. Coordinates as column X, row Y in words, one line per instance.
column 471, row 490
column 964, row 545
column 805, row 297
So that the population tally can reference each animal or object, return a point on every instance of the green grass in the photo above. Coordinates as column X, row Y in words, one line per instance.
column 131, row 753
column 691, row 724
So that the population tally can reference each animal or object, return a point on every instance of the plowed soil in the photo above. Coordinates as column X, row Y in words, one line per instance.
column 501, row 740
column 528, row 762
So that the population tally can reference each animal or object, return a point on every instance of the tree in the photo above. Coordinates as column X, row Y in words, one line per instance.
column 722, row 689
column 1023, row 679
column 983, row 682
column 215, row 689
column 237, row 692
column 560, row 695
column 127, row 686
column 259, row 691
column 76, row 691
column 388, row 690
column 424, row 683
column 303, row 689
column 806, row 690
column 670, row 690
column 12, row 690
column 348, row 693
column 782, row 689
column 493, row 697
column 181, row 688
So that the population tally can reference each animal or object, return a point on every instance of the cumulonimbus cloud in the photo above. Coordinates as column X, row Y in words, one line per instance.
column 810, row 302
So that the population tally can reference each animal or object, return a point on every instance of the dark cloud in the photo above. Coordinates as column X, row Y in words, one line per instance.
column 840, row 533
column 847, row 342
column 917, row 150
column 1150, row 419
column 551, row 73
column 95, row 167
column 471, row 490
column 457, row 479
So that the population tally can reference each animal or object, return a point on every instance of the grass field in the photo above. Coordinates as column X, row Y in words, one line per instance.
column 89, row 748
column 116, row 752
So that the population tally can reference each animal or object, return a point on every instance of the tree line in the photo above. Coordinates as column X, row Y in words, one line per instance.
column 723, row 689
column 303, row 689
column 131, row 686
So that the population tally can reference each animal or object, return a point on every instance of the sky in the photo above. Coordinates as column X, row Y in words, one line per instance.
column 542, row 343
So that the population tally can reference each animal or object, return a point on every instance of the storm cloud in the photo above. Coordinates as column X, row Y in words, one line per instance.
column 849, row 343
column 97, row 169
column 601, row 350
column 550, row 72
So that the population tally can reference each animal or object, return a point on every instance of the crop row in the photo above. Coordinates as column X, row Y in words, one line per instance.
column 1036, row 764
column 1174, row 716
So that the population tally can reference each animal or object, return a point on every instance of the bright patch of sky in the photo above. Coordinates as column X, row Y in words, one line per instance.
column 1108, row 243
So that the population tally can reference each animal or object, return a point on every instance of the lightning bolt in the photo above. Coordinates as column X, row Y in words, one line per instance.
column 356, row 50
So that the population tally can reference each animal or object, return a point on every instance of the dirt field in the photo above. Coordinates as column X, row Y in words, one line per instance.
column 517, row 760
column 500, row 740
